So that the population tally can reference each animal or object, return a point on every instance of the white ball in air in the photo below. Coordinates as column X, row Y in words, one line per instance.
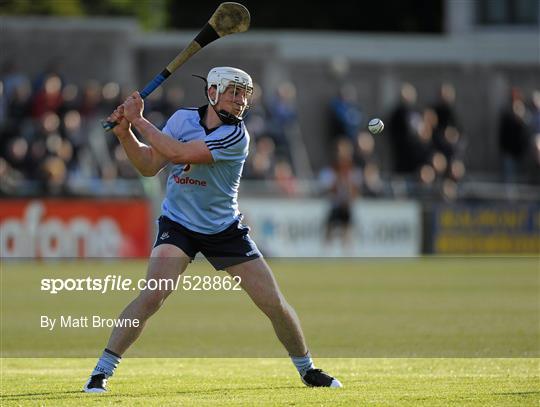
column 375, row 126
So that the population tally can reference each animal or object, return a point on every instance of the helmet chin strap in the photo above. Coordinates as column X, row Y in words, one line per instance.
column 226, row 117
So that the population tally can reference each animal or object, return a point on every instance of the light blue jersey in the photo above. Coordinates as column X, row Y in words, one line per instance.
column 203, row 197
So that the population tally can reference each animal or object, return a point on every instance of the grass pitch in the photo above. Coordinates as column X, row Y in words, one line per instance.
column 396, row 332
column 269, row 382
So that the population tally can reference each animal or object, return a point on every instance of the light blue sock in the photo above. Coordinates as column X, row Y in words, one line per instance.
column 303, row 363
column 107, row 363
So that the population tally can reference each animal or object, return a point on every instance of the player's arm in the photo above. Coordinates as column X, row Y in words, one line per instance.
column 177, row 152
column 147, row 160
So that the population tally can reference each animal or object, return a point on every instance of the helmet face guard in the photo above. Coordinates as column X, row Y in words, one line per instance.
column 223, row 78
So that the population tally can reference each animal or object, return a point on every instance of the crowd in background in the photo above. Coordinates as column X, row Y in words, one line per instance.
column 51, row 136
column 52, row 142
column 427, row 142
column 519, row 129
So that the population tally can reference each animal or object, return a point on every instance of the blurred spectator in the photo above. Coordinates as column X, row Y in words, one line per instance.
column 514, row 137
column 257, row 117
column 535, row 119
column 53, row 68
column 74, row 136
column 53, row 172
column 17, row 157
column 365, row 147
column 10, row 178
column 284, row 128
column 446, row 118
column 535, row 124
column 70, row 98
column 90, row 106
column 174, row 97
column 48, row 97
column 445, row 106
column 261, row 162
column 447, row 137
column 345, row 113
column 425, row 153
column 155, row 101
column 283, row 115
column 110, row 96
column 340, row 67
column 372, row 184
column 285, row 179
column 162, row 103
column 342, row 182
column 11, row 79
column 408, row 136
column 2, row 105
column 17, row 120
column 19, row 103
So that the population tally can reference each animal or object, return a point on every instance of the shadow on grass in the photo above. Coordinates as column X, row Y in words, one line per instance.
column 62, row 394
column 32, row 396
column 232, row 389
column 517, row 393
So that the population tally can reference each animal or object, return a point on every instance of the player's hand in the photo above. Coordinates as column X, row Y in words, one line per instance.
column 133, row 107
column 118, row 117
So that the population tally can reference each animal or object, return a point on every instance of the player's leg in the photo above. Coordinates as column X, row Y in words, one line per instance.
column 346, row 226
column 259, row 283
column 329, row 226
column 167, row 263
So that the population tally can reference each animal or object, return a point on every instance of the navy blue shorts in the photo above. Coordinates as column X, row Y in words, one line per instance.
column 224, row 249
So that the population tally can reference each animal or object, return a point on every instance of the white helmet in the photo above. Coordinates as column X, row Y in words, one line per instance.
column 225, row 76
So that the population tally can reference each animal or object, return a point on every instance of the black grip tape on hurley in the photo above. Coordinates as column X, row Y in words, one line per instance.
column 207, row 35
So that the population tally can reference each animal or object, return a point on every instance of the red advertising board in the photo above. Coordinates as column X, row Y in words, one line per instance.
column 74, row 228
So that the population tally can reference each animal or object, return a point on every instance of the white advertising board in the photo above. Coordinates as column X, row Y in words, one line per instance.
column 296, row 228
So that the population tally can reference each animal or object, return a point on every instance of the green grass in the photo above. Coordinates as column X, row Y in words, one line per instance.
column 257, row 382
column 411, row 332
